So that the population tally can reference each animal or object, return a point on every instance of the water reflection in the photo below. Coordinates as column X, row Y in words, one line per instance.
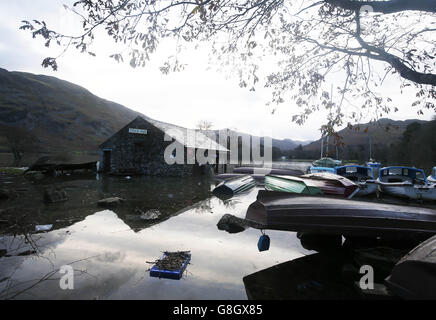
column 110, row 250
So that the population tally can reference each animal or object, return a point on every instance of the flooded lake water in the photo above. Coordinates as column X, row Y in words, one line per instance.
column 109, row 249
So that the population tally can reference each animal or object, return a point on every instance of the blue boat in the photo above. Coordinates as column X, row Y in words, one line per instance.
column 406, row 182
column 314, row 169
column 362, row 176
column 432, row 178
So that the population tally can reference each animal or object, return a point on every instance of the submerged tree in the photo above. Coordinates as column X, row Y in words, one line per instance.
column 18, row 141
column 357, row 43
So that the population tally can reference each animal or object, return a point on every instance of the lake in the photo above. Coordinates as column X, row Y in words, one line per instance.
column 109, row 249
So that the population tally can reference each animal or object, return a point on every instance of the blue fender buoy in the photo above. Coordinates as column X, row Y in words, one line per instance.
column 263, row 243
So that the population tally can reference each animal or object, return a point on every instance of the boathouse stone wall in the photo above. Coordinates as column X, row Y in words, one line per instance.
column 138, row 153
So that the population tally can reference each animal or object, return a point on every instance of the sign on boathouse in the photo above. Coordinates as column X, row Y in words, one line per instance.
column 139, row 131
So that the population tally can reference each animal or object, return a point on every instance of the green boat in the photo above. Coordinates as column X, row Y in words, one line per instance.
column 233, row 186
column 290, row 184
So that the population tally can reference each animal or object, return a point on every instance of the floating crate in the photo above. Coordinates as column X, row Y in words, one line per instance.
column 170, row 274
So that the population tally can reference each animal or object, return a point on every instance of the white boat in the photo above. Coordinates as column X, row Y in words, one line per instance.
column 362, row 176
column 406, row 182
column 432, row 178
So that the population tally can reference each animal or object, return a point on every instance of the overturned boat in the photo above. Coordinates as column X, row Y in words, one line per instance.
column 296, row 212
column 265, row 171
column 294, row 185
column 414, row 276
column 406, row 182
column 314, row 183
column 362, row 176
column 233, row 186
column 259, row 178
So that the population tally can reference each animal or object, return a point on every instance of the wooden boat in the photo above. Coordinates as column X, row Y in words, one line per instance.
column 265, row 171
column 362, row 176
column 306, row 213
column 259, row 178
column 328, row 183
column 230, row 187
column 406, row 182
column 414, row 276
column 293, row 184
column 432, row 178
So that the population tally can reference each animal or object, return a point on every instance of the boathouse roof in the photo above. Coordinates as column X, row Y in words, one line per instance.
column 190, row 138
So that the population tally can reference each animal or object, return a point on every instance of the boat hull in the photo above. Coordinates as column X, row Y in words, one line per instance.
column 293, row 212
column 366, row 188
column 409, row 191
column 413, row 277
column 286, row 184
column 233, row 186
column 331, row 184
column 265, row 171
column 259, row 178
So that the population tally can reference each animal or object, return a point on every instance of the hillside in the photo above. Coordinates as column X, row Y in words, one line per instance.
column 62, row 115
column 383, row 134
column 66, row 117
column 282, row 144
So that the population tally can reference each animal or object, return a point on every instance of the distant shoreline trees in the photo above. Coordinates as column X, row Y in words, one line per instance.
column 416, row 147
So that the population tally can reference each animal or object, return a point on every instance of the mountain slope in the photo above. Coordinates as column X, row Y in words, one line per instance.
column 282, row 144
column 62, row 115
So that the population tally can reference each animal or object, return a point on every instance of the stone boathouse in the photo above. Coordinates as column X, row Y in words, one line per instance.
column 139, row 148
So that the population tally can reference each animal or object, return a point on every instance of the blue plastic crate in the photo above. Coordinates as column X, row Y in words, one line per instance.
column 170, row 274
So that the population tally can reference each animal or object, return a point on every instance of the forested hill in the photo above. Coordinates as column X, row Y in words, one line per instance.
column 408, row 142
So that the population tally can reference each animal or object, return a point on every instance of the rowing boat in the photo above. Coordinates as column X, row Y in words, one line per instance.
column 233, row 186
column 296, row 212
column 313, row 183
column 264, row 171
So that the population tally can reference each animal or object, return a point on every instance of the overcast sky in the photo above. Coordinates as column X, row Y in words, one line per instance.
column 182, row 98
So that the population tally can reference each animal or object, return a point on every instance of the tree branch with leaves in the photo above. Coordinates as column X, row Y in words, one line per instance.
column 312, row 42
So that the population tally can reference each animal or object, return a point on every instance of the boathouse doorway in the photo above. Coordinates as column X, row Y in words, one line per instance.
column 199, row 169
column 107, row 160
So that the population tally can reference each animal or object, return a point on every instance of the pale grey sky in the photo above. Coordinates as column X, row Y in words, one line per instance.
column 181, row 98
